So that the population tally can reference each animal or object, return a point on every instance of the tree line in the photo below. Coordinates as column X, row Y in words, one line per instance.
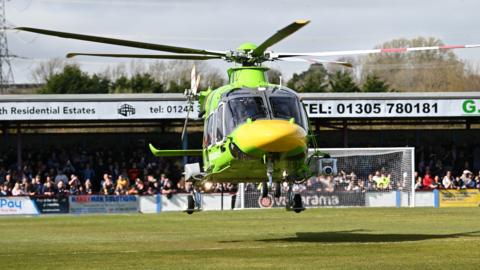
column 60, row 77
column 408, row 72
column 72, row 80
column 318, row 79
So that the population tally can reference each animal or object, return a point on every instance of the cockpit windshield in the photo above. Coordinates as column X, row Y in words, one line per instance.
column 286, row 107
column 271, row 103
column 247, row 107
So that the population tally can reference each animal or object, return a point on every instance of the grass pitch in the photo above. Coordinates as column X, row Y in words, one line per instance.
column 353, row 238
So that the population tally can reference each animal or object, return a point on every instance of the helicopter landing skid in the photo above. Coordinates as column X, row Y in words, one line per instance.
column 193, row 203
column 296, row 209
column 264, row 190
column 191, row 211
column 294, row 201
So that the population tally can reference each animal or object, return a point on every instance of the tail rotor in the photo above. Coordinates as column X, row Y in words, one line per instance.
column 191, row 94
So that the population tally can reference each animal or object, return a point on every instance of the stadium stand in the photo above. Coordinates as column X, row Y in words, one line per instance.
column 131, row 170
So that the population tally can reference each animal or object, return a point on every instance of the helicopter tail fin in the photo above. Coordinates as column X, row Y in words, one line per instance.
column 174, row 153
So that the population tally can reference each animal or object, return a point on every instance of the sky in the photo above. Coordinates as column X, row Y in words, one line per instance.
column 224, row 25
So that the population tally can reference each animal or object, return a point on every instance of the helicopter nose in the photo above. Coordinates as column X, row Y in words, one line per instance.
column 271, row 136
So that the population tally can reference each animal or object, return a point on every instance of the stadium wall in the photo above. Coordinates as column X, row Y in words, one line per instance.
column 100, row 204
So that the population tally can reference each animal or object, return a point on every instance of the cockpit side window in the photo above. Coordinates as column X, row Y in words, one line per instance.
column 286, row 107
column 208, row 134
column 247, row 107
column 219, row 119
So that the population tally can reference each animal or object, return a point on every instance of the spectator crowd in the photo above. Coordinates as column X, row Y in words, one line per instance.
column 131, row 170
column 467, row 180
column 377, row 181
column 381, row 181
column 83, row 171
column 453, row 166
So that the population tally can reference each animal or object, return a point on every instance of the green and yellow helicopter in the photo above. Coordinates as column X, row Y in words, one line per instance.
column 253, row 130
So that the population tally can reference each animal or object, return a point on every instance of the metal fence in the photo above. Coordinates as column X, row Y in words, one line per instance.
column 366, row 177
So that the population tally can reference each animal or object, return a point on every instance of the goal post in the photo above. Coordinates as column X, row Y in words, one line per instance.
column 365, row 177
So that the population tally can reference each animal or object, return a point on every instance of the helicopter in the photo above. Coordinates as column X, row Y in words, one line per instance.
column 253, row 130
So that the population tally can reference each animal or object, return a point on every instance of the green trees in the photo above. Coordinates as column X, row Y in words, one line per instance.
column 71, row 80
column 374, row 84
column 74, row 81
column 342, row 81
column 318, row 79
column 62, row 78
column 138, row 83
column 315, row 79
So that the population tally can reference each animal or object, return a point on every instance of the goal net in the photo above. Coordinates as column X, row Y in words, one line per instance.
column 365, row 177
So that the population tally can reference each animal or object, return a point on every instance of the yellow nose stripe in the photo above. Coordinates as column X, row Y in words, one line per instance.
column 271, row 136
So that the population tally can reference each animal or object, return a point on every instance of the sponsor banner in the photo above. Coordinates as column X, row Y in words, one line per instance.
column 90, row 204
column 177, row 109
column 17, row 206
column 460, row 198
column 310, row 199
column 424, row 198
column 51, row 205
column 150, row 204
column 97, row 110
column 381, row 199
column 177, row 202
column 392, row 108
column 213, row 201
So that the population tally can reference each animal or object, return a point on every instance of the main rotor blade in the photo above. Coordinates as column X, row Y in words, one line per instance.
column 152, row 56
column 316, row 61
column 121, row 42
column 376, row 51
column 281, row 34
